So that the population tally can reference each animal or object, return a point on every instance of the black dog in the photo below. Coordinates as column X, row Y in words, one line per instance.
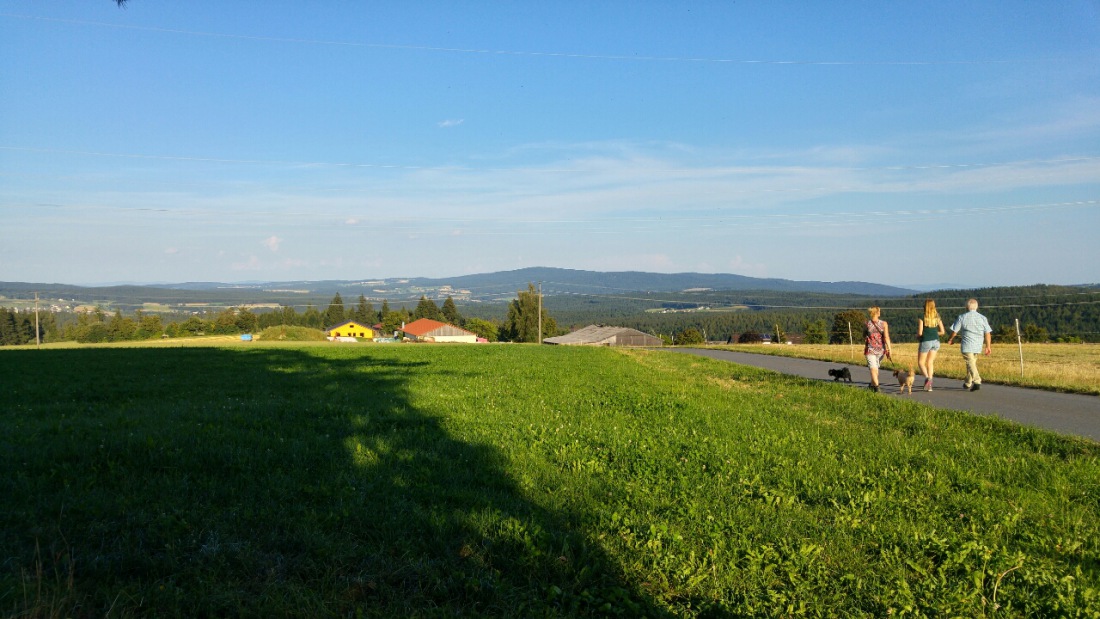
column 841, row 374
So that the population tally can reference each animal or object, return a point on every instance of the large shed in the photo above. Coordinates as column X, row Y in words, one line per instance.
column 603, row 335
column 428, row 330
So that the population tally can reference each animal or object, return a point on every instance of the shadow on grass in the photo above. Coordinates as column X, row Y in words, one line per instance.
column 267, row 481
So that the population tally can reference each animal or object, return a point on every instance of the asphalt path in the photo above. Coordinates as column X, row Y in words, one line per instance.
column 1064, row 413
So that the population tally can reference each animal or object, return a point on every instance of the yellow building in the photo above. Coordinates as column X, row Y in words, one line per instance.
column 350, row 329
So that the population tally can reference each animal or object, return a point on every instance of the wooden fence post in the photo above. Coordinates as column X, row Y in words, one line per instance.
column 1020, row 343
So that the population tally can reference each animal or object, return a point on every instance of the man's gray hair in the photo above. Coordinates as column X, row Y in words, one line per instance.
column 971, row 304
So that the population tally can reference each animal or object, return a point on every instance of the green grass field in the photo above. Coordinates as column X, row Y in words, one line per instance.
column 511, row 480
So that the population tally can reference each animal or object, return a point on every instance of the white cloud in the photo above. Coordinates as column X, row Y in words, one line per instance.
column 171, row 250
column 451, row 122
column 272, row 243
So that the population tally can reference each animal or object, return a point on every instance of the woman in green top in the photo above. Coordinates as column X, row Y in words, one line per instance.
column 929, row 330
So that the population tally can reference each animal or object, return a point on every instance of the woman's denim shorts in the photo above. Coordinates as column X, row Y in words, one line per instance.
column 929, row 346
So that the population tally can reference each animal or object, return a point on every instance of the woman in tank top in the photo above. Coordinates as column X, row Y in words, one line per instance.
column 876, row 343
column 929, row 330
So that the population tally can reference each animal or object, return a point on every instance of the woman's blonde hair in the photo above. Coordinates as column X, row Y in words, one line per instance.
column 931, row 316
column 874, row 312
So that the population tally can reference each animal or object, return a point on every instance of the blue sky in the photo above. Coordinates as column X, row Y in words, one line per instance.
column 899, row 143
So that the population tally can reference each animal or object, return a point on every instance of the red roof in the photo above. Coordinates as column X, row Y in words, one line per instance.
column 424, row 326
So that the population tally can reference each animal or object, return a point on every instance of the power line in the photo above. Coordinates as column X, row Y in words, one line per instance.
column 754, row 304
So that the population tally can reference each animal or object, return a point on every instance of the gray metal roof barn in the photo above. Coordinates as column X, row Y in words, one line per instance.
column 602, row 335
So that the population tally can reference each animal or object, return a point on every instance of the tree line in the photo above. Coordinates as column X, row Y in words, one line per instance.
column 19, row 327
column 1046, row 313
column 519, row 323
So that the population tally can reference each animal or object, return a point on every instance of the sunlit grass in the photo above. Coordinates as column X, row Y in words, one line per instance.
column 324, row 480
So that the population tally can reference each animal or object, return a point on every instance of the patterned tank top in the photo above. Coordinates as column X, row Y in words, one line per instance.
column 873, row 343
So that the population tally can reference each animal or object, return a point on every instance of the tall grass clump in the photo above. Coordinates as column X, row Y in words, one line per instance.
column 519, row 481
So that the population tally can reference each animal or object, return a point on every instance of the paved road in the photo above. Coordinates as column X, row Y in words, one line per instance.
column 1065, row 413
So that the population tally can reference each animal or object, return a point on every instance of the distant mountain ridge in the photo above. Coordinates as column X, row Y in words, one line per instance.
column 566, row 280
column 483, row 286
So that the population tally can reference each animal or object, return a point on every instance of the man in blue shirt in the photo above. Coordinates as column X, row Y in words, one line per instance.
column 974, row 329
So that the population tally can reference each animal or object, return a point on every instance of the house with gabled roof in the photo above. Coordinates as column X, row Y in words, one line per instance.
column 428, row 330
column 350, row 328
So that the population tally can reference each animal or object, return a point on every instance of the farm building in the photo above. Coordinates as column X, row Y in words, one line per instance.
column 427, row 330
column 602, row 335
column 350, row 329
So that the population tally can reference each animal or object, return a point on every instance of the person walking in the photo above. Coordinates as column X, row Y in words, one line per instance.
column 974, row 329
column 929, row 330
column 876, row 343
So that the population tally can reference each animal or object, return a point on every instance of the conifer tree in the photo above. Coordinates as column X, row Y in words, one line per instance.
column 364, row 312
column 312, row 318
column 290, row 316
column 8, row 331
column 450, row 312
column 523, row 318
column 427, row 308
column 334, row 314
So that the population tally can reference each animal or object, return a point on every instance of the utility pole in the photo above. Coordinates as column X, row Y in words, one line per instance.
column 540, row 312
column 37, row 336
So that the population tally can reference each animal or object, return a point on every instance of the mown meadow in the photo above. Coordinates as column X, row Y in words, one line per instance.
column 512, row 480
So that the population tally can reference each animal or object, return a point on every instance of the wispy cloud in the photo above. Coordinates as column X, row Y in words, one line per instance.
column 746, row 267
column 451, row 122
column 620, row 188
column 1073, row 119
column 659, row 262
column 251, row 264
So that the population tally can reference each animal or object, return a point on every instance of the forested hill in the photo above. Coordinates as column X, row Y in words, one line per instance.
column 576, row 281
column 1055, row 312
column 485, row 287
